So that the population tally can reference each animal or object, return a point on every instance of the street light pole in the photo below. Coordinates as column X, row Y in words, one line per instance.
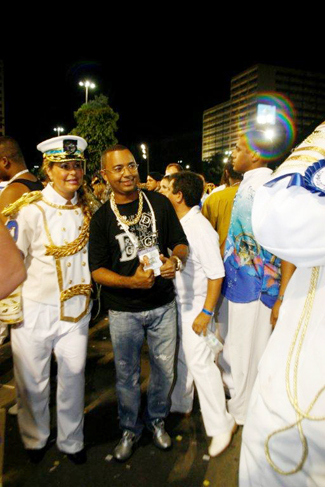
column 145, row 154
column 87, row 84
column 58, row 130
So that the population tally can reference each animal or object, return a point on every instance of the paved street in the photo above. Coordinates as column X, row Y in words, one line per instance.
column 185, row 465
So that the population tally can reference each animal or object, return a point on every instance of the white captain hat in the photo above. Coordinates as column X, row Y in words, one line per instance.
column 63, row 147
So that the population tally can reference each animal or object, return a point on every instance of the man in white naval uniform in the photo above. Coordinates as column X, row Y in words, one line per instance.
column 283, row 439
column 51, row 230
column 197, row 290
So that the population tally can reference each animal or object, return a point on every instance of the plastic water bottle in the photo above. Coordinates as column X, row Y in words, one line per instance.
column 212, row 341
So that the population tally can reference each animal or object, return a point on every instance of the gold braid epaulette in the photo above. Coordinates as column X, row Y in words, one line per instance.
column 72, row 247
column 24, row 200
column 80, row 289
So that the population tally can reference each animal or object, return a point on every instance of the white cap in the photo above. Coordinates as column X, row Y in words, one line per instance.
column 65, row 145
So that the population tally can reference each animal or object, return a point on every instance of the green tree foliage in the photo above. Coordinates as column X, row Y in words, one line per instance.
column 97, row 124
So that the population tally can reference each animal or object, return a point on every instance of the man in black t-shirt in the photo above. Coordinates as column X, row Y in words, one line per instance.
column 140, row 301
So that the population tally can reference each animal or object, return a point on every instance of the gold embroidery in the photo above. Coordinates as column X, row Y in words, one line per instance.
column 72, row 247
column 80, row 289
column 24, row 200
column 60, row 276
column 59, row 207
column 312, row 149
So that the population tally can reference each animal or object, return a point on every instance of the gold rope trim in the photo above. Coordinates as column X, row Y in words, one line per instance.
column 72, row 247
column 60, row 207
column 24, row 200
column 78, row 290
column 293, row 396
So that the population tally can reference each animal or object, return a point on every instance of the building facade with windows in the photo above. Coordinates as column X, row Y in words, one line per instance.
column 223, row 123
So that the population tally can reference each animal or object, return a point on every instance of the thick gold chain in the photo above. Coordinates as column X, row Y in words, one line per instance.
column 296, row 346
column 124, row 219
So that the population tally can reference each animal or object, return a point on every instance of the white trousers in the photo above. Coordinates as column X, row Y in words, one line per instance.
column 196, row 364
column 248, row 332
column 32, row 345
column 270, row 408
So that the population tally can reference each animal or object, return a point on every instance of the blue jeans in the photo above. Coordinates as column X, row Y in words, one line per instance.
column 127, row 332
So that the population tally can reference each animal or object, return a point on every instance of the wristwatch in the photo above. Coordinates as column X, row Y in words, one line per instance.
column 179, row 265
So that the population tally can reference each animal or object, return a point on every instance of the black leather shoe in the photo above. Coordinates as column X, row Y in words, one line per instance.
column 161, row 438
column 37, row 455
column 126, row 446
column 78, row 458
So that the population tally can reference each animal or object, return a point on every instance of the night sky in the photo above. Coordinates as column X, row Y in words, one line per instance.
column 159, row 88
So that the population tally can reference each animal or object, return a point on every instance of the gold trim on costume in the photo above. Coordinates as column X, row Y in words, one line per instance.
column 62, row 157
column 60, row 207
column 59, row 269
column 72, row 247
column 292, row 389
column 312, row 149
column 24, row 200
column 79, row 289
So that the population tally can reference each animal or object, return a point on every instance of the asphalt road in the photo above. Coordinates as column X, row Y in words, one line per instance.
column 186, row 465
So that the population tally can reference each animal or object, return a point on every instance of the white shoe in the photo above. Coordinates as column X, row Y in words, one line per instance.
column 13, row 411
column 219, row 443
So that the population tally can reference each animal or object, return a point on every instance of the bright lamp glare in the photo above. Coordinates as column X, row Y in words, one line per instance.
column 269, row 134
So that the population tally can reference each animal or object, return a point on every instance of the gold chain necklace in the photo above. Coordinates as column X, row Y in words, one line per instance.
column 124, row 219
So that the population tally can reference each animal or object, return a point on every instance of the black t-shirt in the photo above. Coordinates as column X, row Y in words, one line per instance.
column 110, row 247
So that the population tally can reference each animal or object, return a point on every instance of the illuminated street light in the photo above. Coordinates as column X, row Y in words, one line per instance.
column 58, row 130
column 187, row 167
column 145, row 154
column 269, row 134
column 87, row 84
column 225, row 160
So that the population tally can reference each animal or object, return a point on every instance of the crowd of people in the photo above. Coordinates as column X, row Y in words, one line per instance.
column 204, row 278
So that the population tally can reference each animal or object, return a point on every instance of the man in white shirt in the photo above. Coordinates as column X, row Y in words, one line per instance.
column 197, row 290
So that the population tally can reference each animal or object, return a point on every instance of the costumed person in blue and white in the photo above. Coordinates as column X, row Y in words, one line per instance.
column 51, row 228
column 283, row 439
column 252, row 278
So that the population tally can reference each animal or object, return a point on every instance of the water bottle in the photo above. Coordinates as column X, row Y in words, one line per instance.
column 212, row 341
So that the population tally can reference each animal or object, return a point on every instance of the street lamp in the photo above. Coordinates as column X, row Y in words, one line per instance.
column 58, row 130
column 145, row 154
column 87, row 84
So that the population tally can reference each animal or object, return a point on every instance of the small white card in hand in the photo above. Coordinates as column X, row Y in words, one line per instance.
column 152, row 254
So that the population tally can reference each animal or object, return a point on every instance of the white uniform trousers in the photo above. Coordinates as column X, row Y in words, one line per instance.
column 249, row 330
column 196, row 363
column 32, row 345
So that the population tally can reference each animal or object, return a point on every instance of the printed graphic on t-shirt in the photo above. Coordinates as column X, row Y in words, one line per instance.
column 143, row 232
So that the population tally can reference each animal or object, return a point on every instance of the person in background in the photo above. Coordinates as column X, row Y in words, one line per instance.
column 12, row 269
column 153, row 181
column 164, row 185
column 198, row 288
column 173, row 168
column 217, row 207
column 252, row 278
column 14, row 172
